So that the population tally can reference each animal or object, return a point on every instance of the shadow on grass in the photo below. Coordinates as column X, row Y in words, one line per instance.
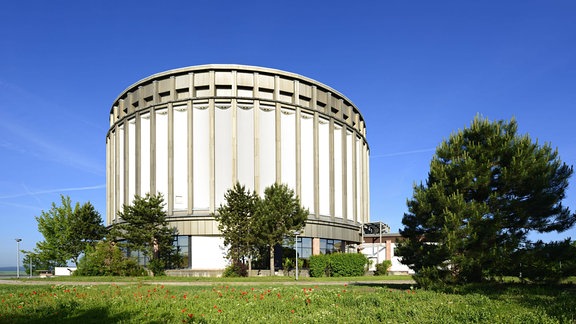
column 69, row 315
column 398, row 286
column 556, row 300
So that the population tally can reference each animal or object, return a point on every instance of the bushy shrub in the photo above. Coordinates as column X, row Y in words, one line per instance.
column 382, row 268
column 157, row 267
column 106, row 259
column 347, row 264
column 319, row 265
column 236, row 269
column 287, row 264
column 338, row 265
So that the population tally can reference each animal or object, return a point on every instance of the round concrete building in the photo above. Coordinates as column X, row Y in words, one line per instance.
column 191, row 133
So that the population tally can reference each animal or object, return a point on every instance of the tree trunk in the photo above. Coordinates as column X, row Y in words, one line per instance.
column 249, row 266
column 272, row 272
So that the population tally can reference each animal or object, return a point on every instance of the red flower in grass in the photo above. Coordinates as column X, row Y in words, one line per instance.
column 190, row 315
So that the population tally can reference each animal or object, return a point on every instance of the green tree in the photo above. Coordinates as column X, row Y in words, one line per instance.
column 545, row 262
column 143, row 227
column 235, row 222
column 277, row 215
column 487, row 188
column 67, row 232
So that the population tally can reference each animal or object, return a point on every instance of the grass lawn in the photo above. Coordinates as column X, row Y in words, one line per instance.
column 362, row 302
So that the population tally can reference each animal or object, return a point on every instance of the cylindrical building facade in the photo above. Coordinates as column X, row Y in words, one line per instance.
column 192, row 133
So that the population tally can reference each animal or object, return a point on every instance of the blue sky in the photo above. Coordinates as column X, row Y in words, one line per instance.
column 417, row 70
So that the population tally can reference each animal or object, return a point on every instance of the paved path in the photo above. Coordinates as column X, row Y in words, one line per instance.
column 207, row 283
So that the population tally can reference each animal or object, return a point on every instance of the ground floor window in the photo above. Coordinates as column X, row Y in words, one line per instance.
column 328, row 246
column 304, row 247
column 182, row 245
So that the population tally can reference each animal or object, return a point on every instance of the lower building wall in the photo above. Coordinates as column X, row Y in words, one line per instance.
column 208, row 253
column 377, row 252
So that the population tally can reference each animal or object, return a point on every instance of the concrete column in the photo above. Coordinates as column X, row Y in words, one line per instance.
column 153, row 151
column 278, row 146
column 316, row 157
column 212, row 89
column 170, row 198
column 256, row 94
column 190, row 155
column 354, row 180
column 315, row 245
column 126, row 154
column 331, row 164
column 278, row 129
column 234, row 112
column 137, row 150
column 212, row 153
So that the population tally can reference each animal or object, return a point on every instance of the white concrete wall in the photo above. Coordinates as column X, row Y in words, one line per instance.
column 64, row 271
column 377, row 252
column 208, row 253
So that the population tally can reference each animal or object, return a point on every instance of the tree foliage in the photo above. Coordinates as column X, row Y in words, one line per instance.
column 487, row 188
column 249, row 223
column 235, row 222
column 106, row 259
column 278, row 215
column 143, row 227
column 546, row 262
column 67, row 232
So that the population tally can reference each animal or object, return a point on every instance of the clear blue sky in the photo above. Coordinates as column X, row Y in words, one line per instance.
column 417, row 70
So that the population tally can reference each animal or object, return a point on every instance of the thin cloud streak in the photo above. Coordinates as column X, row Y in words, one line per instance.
column 41, row 192
column 36, row 208
column 403, row 153
column 39, row 145
column 49, row 151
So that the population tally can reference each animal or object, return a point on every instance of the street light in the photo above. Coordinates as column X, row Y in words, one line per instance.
column 296, row 233
column 30, row 265
column 18, row 257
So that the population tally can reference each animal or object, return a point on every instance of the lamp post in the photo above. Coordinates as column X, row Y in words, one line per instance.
column 30, row 265
column 18, row 257
column 296, row 245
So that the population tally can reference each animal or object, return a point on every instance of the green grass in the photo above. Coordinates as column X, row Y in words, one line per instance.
column 365, row 302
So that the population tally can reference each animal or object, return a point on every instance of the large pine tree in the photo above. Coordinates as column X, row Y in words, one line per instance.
column 487, row 188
